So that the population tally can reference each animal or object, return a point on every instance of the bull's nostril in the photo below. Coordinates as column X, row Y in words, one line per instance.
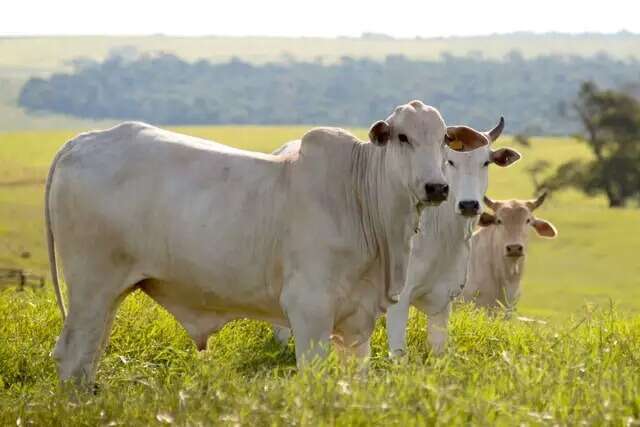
column 515, row 249
column 469, row 207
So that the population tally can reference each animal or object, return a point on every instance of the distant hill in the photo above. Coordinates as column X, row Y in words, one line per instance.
column 534, row 94
column 24, row 57
column 47, row 54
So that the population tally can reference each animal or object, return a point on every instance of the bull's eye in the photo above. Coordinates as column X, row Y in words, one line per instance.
column 528, row 220
column 451, row 163
column 485, row 164
column 498, row 221
column 403, row 138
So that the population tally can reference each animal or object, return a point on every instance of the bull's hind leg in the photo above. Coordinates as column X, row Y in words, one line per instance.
column 94, row 298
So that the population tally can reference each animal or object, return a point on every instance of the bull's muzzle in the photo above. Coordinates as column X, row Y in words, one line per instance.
column 436, row 193
column 469, row 208
column 515, row 250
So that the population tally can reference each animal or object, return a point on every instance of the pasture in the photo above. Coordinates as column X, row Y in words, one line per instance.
column 574, row 359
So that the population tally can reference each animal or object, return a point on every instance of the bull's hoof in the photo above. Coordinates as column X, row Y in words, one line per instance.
column 398, row 355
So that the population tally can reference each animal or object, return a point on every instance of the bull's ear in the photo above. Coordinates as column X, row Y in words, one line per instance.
column 505, row 157
column 544, row 228
column 380, row 133
column 486, row 219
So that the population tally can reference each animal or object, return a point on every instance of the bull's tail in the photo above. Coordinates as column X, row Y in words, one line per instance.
column 49, row 232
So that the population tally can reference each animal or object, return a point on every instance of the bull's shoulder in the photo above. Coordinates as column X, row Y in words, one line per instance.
column 326, row 137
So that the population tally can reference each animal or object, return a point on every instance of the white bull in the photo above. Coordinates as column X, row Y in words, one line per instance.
column 319, row 241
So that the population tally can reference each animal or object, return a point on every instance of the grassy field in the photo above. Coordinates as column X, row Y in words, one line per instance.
column 578, row 362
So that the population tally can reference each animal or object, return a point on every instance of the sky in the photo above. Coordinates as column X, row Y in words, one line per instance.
column 319, row 18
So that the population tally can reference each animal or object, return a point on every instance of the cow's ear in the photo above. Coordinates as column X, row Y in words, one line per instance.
column 544, row 228
column 380, row 133
column 505, row 157
column 486, row 219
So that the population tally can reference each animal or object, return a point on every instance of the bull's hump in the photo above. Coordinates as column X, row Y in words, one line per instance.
column 327, row 136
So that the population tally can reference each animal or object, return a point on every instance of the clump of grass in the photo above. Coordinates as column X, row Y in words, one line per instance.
column 494, row 372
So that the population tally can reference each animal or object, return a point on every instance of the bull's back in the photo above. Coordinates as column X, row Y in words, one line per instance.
column 177, row 208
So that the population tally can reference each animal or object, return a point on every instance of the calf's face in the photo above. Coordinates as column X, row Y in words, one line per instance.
column 512, row 220
column 414, row 136
column 468, row 156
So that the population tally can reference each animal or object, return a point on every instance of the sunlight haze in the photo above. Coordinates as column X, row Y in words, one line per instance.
column 328, row 18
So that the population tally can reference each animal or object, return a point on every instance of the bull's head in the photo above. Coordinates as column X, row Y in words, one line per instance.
column 512, row 219
column 467, row 159
column 413, row 136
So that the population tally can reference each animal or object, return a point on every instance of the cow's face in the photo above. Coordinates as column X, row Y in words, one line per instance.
column 414, row 138
column 512, row 220
column 467, row 159
column 468, row 177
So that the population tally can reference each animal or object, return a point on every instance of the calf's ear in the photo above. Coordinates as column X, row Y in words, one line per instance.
column 505, row 157
column 544, row 228
column 486, row 219
column 380, row 133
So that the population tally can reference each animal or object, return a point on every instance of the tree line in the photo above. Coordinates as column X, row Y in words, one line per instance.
column 535, row 95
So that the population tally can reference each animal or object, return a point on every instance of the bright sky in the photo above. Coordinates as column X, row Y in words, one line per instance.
column 325, row 18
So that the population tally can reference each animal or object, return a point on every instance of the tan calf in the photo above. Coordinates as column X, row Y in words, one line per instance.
column 499, row 251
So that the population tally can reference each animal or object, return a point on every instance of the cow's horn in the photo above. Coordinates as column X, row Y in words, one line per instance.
column 535, row 204
column 496, row 131
column 491, row 204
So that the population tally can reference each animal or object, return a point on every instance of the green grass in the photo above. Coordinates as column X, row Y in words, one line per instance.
column 582, row 365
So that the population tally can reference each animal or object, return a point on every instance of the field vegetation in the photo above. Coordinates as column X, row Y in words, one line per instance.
column 569, row 356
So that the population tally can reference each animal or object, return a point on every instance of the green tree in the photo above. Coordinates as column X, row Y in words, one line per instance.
column 611, row 129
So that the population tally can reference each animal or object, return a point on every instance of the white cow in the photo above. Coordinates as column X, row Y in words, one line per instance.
column 441, row 251
column 319, row 241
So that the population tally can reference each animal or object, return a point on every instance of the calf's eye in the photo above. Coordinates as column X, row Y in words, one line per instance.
column 487, row 163
column 498, row 221
column 403, row 138
column 451, row 163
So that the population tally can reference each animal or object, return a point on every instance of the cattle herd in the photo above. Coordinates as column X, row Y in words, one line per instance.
column 320, row 237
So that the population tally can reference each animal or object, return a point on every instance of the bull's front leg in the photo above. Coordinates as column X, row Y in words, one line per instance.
column 437, row 325
column 438, row 330
column 397, row 318
column 310, row 315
